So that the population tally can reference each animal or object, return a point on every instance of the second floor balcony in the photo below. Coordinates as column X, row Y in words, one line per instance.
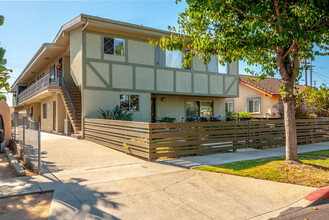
column 41, row 84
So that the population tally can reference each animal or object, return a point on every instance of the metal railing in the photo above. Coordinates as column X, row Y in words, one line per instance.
column 67, row 96
column 26, row 132
column 39, row 85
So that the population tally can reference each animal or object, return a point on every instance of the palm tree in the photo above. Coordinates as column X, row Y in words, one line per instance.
column 4, row 72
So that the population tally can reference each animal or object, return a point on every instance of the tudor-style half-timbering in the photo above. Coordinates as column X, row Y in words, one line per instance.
column 135, row 68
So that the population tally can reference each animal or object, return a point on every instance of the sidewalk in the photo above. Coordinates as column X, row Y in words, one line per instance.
column 123, row 188
column 241, row 154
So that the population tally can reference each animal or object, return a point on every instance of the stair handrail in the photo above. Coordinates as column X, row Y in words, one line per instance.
column 67, row 95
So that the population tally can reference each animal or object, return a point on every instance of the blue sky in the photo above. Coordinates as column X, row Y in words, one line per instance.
column 28, row 24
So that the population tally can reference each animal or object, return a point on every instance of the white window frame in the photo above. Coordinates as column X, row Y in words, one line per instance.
column 115, row 39
column 227, row 102
column 254, row 99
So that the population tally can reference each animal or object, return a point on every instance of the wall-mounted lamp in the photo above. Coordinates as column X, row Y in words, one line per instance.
column 46, row 58
column 163, row 99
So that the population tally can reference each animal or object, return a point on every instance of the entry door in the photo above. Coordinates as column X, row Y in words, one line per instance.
column 54, row 115
column 153, row 109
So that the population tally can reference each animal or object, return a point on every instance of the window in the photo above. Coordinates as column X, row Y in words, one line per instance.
column 229, row 106
column 215, row 67
column 172, row 59
column 44, row 110
column 114, row 46
column 129, row 103
column 254, row 105
column 199, row 109
column 31, row 112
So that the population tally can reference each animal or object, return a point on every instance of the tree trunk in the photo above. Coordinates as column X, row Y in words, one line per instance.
column 290, row 124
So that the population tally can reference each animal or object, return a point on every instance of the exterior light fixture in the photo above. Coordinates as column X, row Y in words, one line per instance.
column 163, row 99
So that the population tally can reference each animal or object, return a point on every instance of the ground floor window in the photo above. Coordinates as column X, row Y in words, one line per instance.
column 44, row 110
column 31, row 112
column 229, row 106
column 129, row 103
column 199, row 110
column 254, row 105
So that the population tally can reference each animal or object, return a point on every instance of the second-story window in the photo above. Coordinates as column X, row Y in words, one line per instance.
column 114, row 46
column 215, row 67
column 172, row 59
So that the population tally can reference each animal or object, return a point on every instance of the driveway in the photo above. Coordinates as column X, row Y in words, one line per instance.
column 95, row 182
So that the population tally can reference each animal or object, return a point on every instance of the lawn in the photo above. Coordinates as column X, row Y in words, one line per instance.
column 313, row 171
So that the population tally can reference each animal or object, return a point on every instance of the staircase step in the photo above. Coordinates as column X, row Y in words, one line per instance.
column 77, row 136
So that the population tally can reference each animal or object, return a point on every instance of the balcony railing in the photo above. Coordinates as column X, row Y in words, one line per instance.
column 36, row 87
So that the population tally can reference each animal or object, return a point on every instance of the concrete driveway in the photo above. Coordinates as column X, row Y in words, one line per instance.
column 95, row 182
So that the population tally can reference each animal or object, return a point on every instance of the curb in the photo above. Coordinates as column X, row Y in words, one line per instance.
column 18, row 168
column 315, row 197
column 318, row 196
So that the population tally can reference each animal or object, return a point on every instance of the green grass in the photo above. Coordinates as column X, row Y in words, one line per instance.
column 313, row 171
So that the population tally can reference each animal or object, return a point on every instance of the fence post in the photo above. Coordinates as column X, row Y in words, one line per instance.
column 14, row 124
column 235, row 136
column 248, row 134
column 23, row 140
column 312, row 125
column 39, row 148
column 150, row 141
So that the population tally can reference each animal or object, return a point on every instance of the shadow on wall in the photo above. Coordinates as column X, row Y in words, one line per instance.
column 5, row 112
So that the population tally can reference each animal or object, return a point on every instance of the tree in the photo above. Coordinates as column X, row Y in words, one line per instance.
column 4, row 72
column 272, row 34
column 318, row 99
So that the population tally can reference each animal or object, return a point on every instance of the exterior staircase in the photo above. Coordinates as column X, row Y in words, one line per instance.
column 72, row 101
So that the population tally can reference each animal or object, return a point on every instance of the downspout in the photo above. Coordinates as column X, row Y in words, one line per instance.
column 85, row 26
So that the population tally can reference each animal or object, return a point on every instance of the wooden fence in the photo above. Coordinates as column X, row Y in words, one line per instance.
column 154, row 140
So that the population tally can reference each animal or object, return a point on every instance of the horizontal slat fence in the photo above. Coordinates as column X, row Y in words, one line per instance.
column 156, row 140
column 128, row 137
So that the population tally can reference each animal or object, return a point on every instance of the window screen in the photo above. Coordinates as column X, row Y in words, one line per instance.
column 108, row 45
column 114, row 46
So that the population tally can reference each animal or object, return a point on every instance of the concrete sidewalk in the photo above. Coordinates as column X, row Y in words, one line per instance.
column 124, row 187
column 241, row 154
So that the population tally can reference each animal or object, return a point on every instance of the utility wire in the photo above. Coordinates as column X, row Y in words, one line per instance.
column 318, row 75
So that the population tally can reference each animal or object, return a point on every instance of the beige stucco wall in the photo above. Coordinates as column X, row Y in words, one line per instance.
column 136, row 47
column 95, row 99
column 47, row 123
column 267, row 104
column 5, row 112
column 76, row 55
column 175, row 106
column 36, row 111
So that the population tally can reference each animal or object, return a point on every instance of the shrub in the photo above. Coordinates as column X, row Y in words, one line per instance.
column 116, row 114
column 167, row 119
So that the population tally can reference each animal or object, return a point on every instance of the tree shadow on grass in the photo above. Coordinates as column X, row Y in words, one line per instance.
column 317, row 166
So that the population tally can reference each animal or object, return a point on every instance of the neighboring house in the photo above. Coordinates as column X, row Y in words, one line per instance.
column 262, row 99
column 99, row 63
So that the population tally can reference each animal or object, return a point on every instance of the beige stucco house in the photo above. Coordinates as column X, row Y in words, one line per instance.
column 100, row 63
column 261, row 98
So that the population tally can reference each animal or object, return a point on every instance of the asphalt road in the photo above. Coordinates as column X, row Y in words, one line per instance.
column 318, row 212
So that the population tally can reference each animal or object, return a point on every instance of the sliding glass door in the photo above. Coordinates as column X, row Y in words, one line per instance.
column 199, row 110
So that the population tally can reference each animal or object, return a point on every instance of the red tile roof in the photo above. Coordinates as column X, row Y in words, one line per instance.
column 268, row 85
